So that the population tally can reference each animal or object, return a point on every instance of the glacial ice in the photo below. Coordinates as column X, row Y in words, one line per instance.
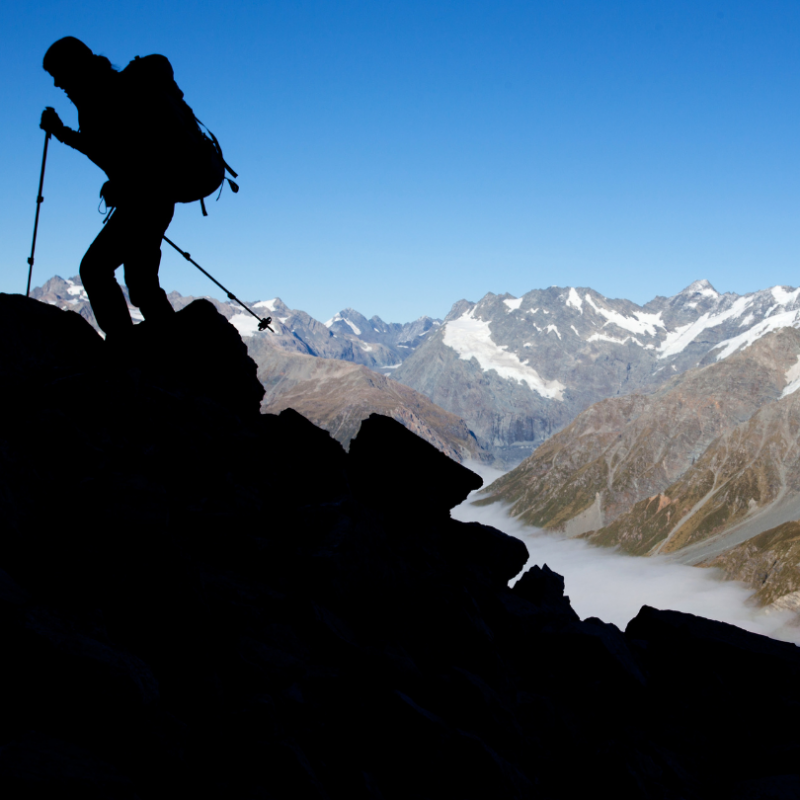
column 471, row 338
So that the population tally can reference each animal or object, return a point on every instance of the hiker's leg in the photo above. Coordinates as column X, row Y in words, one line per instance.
column 142, row 263
column 104, row 255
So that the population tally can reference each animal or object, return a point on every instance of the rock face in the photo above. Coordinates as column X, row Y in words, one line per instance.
column 240, row 608
column 519, row 369
column 338, row 396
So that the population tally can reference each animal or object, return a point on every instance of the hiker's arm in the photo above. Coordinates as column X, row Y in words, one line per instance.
column 52, row 123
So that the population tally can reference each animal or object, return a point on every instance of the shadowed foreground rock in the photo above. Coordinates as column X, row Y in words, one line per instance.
column 198, row 601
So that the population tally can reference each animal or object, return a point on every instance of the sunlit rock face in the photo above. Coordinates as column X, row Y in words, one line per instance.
column 201, row 600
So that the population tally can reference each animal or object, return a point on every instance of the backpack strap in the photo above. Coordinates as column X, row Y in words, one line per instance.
column 219, row 150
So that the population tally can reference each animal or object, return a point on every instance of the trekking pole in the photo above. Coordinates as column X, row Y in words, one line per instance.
column 263, row 323
column 39, row 201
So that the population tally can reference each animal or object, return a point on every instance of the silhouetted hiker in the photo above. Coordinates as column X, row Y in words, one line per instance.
column 122, row 130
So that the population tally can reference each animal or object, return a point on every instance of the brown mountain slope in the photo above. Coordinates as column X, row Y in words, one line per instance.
column 625, row 450
column 743, row 477
column 338, row 396
column 769, row 563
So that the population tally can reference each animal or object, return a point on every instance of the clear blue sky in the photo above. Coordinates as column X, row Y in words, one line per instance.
column 397, row 155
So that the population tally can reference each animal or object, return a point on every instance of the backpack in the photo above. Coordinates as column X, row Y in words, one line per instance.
column 190, row 161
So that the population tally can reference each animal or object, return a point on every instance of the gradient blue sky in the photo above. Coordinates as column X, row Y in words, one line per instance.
column 397, row 155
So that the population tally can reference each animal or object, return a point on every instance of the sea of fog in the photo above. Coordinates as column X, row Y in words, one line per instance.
column 613, row 586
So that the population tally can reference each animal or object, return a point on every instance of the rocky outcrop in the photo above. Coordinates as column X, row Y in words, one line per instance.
column 199, row 600
column 338, row 396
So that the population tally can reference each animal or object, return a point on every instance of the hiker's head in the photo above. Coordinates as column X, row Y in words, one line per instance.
column 74, row 66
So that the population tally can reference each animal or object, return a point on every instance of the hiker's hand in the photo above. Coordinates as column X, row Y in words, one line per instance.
column 51, row 122
column 109, row 195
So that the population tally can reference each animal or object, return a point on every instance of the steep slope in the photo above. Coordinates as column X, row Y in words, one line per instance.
column 629, row 450
column 338, row 396
column 745, row 479
column 768, row 562
column 518, row 369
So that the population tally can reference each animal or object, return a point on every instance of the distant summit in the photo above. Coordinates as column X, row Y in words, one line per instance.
column 702, row 287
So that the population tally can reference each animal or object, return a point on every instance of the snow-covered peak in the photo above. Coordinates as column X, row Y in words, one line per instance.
column 271, row 305
column 702, row 287
column 339, row 318
column 783, row 297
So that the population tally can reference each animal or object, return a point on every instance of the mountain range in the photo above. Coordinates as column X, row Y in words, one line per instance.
column 664, row 429
column 516, row 370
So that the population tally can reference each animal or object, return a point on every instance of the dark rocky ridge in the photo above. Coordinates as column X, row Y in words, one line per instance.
column 200, row 601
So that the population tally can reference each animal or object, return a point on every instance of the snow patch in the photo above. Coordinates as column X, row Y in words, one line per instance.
column 600, row 337
column 792, row 379
column 575, row 329
column 677, row 340
column 640, row 322
column 748, row 320
column 744, row 340
column 592, row 303
column 471, row 338
column 574, row 300
column 246, row 324
column 268, row 304
column 513, row 305
column 554, row 329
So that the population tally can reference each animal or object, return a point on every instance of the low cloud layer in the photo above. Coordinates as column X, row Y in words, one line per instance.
column 612, row 586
